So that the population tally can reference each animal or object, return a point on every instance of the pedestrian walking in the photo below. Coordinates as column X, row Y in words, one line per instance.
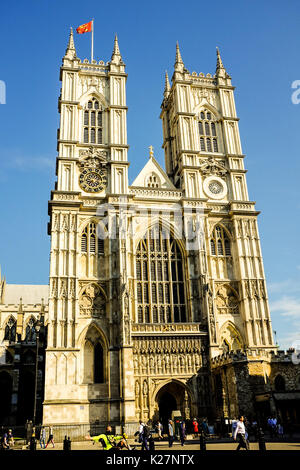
column 204, row 426
column 239, row 433
column 195, row 428
column 141, row 431
column 43, row 437
column 280, row 429
column 159, row 428
column 50, row 438
column 145, row 437
column 182, row 432
column 170, row 432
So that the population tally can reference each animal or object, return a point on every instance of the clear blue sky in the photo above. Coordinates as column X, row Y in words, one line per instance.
column 260, row 47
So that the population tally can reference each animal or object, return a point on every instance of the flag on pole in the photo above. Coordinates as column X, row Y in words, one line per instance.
column 84, row 28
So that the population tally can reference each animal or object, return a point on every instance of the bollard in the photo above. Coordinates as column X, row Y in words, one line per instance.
column 202, row 441
column 65, row 443
column 261, row 440
column 32, row 445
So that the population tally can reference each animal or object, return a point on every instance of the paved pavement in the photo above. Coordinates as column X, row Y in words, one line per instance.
column 189, row 445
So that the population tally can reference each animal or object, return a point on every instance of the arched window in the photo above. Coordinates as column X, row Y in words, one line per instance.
column 207, row 129
column 98, row 364
column 279, row 384
column 10, row 330
column 220, row 243
column 30, row 331
column 160, row 283
column 90, row 242
column 153, row 181
column 95, row 357
column 92, row 123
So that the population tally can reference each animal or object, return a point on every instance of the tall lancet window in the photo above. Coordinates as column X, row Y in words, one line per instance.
column 93, row 123
column 208, row 132
column 160, row 287
column 220, row 243
column 90, row 242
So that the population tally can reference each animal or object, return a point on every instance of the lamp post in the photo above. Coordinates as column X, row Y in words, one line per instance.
column 37, row 329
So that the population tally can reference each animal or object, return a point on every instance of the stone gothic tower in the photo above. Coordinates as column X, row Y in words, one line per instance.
column 85, row 363
column 204, row 159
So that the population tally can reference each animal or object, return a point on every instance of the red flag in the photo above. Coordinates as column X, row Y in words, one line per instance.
column 84, row 28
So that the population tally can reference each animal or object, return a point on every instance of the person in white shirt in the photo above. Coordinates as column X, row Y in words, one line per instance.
column 239, row 433
column 141, row 429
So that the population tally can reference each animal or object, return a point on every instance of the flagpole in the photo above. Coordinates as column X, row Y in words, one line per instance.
column 92, row 48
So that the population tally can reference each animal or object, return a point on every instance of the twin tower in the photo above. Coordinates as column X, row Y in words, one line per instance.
column 149, row 282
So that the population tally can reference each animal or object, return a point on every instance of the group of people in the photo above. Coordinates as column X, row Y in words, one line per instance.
column 38, row 433
column 275, row 427
column 145, row 435
column 198, row 428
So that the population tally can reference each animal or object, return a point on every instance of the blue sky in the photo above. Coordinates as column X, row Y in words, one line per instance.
column 259, row 43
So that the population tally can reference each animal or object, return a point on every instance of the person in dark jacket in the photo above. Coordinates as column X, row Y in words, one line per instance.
column 182, row 432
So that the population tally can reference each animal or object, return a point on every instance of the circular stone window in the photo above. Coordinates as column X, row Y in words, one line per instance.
column 214, row 187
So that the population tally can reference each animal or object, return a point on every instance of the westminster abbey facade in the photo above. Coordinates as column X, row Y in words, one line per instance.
column 156, row 288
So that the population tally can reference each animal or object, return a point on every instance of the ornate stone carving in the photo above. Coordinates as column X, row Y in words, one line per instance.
column 92, row 301
column 226, row 300
column 211, row 166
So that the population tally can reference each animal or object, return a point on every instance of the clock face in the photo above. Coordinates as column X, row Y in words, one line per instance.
column 93, row 180
column 215, row 187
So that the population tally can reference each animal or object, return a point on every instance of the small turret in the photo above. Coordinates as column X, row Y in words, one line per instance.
column 179, row 65
column 220, row 69
column 71, row 51
column 116, row 57
column 20, row 318
column 167, row 86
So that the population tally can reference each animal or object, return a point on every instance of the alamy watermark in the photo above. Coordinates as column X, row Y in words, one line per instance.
column 2, row 92
column 123, row 221
column 296, row 94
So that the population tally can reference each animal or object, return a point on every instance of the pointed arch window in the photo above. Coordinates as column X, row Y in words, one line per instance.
column 98, row 364
column 160, row 285
column 207, row 129
column 10, row 330
column 279, row 384
column 93, row 123
column 30, row 331
column 220, row 242
column 90, row 242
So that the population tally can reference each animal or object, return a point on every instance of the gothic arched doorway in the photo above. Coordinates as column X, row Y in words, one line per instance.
column 26, row 396
column 167, row 404
column 172, row 397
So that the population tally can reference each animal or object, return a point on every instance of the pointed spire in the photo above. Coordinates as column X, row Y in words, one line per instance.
column 179, row 65
column 116, row 55
column 20, row 316
column 220, row 69
column 219, row 60
column 167, row 86
column 178, row 59
column 71, row 51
